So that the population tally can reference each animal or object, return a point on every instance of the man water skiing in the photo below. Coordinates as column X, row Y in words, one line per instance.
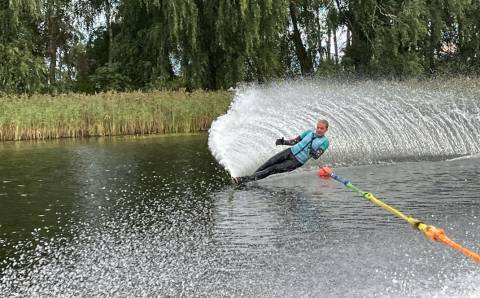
column 309, row 144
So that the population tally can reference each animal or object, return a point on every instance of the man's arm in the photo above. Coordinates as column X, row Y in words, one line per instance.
column 291, row 142
column 316, row 153
column 322, row 147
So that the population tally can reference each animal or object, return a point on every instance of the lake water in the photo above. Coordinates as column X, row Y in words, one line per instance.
column 157, row 216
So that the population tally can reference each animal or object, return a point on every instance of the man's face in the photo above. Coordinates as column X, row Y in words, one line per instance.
column 321, row 128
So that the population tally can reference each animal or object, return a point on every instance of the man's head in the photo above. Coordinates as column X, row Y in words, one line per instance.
column 322, row 127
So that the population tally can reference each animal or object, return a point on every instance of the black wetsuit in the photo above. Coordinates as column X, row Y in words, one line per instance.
column 287, row 160
column 284, row 161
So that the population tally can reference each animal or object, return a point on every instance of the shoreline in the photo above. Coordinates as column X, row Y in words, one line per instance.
column 94, row 139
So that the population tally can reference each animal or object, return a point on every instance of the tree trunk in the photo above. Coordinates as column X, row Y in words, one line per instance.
column 52, row 46
column 329, row 43
column 306, row 64
column 335, row 45
column 108, row 20
column 460, row 37
column 320, row 38
column 431, row 51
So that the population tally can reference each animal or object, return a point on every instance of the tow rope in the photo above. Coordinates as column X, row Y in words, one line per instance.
column 431, row 232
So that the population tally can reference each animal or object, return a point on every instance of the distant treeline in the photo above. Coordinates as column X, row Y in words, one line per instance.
column 98, row 45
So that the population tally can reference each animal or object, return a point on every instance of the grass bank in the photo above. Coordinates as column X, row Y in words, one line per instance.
column 42, row 117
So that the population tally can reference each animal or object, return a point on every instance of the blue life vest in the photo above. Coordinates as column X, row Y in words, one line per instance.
column 309, row 140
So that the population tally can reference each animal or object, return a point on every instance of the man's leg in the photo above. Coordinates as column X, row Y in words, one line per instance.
column 277, row 158
column 287, row 165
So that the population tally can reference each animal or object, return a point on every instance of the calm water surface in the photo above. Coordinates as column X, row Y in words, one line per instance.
column 157, row 216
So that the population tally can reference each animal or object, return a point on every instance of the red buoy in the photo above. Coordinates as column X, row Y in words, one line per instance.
column 325, row 172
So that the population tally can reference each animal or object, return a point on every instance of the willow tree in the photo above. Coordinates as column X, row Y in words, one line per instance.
column 307, row 29
column 387, row 37
column 240, row 40
column 59, row 36
column 92, row 10
column 468, row 38
column 398, row 34
column 199, row 43
column 454, row 38
column 154, row 38
column 21, row 68
column 359, row 17
column 333, row 23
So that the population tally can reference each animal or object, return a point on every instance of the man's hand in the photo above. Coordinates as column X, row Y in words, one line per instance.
column 291, row 142
column 316, row 153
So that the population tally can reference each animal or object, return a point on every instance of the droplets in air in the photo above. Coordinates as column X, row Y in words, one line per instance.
column 370, row 121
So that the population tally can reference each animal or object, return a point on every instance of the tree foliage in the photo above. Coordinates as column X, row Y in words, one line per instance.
column 21, row 66
column 94, row 45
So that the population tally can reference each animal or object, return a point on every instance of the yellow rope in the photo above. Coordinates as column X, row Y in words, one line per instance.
column 431, row 232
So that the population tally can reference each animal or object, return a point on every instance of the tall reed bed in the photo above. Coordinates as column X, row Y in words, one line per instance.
column 75, row 115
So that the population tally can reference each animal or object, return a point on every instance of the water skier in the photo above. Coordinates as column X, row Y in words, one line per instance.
column 308, row 144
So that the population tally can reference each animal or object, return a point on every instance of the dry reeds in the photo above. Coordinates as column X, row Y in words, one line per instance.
column 42, row 117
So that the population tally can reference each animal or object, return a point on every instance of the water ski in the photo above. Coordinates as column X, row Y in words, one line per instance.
column 239, row 181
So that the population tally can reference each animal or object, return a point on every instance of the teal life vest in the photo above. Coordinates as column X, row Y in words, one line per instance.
column 309, row 140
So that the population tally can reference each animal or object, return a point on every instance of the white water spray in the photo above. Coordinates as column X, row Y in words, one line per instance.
column 370, row 121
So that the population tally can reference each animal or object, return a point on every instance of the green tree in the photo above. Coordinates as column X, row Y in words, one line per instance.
column 469, row 35
column 198, row 43
column 21, row 68
column 399, row 29
column 240, row 40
